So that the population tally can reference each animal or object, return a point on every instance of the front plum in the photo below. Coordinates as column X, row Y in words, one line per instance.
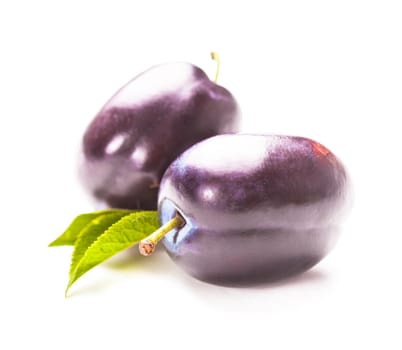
column 256, row 208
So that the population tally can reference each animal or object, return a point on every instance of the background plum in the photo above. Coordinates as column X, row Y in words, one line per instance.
column 145, row 126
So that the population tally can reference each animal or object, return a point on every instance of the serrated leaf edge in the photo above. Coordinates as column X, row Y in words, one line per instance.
column 93, row 222
column 98, row 212
column 73, row 280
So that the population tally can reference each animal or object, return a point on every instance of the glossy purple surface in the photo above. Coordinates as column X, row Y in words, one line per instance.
column 257, row 208
column 145, row 126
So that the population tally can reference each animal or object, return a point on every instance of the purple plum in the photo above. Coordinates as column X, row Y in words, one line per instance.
column 254, row 208
column 145, row 126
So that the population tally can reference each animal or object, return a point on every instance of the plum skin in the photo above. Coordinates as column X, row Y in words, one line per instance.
column 258, row 208
column 145, row 126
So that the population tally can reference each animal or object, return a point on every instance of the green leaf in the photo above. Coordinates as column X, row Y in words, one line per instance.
column 90, row 233
column 126, row 232
column 69, row 236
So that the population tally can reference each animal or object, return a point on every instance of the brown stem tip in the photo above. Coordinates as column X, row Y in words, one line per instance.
column 146, row 247
column 148, row 244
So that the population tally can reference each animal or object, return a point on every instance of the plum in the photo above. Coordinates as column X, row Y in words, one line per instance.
column 145, row 126
column 252, row 208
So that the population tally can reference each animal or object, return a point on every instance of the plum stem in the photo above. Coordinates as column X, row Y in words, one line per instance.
column 148, row 244
column 217, row 59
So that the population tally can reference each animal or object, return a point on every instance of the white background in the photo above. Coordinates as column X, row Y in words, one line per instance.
column 328, row 70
